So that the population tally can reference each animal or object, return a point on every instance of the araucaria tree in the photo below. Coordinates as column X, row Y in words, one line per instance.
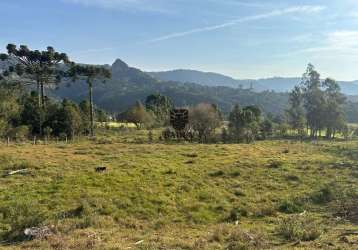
column 34, row 67
column 42, row 68
column 90, row 74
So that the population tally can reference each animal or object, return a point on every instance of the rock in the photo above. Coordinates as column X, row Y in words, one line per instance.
column 38, row 232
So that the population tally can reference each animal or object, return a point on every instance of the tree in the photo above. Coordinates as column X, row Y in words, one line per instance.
column 42, row 68
column 160, row 106
column 68, row 119
column 266, row 128
column 137, row 115
column 314, row 101
column 204, row 119
column 322, row 101
column 334, row 114
column 31, row 112
column 90, row 74
column 243, row 123
column 296, row 113
column 10, row 107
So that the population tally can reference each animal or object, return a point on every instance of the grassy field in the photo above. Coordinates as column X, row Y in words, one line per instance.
column 268, row 195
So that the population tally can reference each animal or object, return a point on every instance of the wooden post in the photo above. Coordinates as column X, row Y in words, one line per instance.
column 34, row 140
column 8, row 141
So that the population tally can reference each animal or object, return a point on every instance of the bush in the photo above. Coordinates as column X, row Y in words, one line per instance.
column 290, row 207
column 168, row 134
column 3, row 127
column 299, row 227
column 19, row 216
column 266, row 210
column 275, row 164
column 20, row 133
column 232, row 238
column 325, row 195
column 236, row 213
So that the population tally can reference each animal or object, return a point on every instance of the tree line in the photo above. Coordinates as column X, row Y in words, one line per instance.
column 315, row 110
column 315, row 105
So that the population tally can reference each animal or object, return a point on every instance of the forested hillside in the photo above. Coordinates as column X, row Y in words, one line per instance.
column 277, row 84
column 129, row 84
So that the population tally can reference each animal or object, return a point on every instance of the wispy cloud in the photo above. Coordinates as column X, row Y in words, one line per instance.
column 306, row 9
column 342, row 42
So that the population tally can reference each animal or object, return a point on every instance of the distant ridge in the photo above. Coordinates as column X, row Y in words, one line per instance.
column 278, row 84
column 129, row 84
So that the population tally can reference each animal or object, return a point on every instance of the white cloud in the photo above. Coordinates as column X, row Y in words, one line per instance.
column 305, row 9
column 337, row 43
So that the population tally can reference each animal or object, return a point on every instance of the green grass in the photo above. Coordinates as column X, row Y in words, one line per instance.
column 173, row 196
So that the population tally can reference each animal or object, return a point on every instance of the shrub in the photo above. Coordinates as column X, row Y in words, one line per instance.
column 290, row 207
column 299, row 227
column 19, row 216
column 236, row 213
column 168, row 134
column 217, row 173
column 3, row 127
column 275, row 164
column 266, row 210
column 325, row 195
column 19, row 133
column 345, row 204
column 233, row 238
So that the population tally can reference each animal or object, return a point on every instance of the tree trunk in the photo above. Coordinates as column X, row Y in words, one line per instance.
column 39, row 105
column 42, row 95
column 90, row 85
column 38, row 93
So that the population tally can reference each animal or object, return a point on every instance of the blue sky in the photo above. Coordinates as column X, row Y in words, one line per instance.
column 240, row 38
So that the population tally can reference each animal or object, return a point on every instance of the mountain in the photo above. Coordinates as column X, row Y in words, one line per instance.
column 278, row 84
column 202, row 78
column 130, row 84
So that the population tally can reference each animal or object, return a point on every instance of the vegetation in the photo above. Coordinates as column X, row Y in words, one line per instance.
column 204, row 119
column 178, row 196
column 90, row 74
column 319, row 104
column 134, row 188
